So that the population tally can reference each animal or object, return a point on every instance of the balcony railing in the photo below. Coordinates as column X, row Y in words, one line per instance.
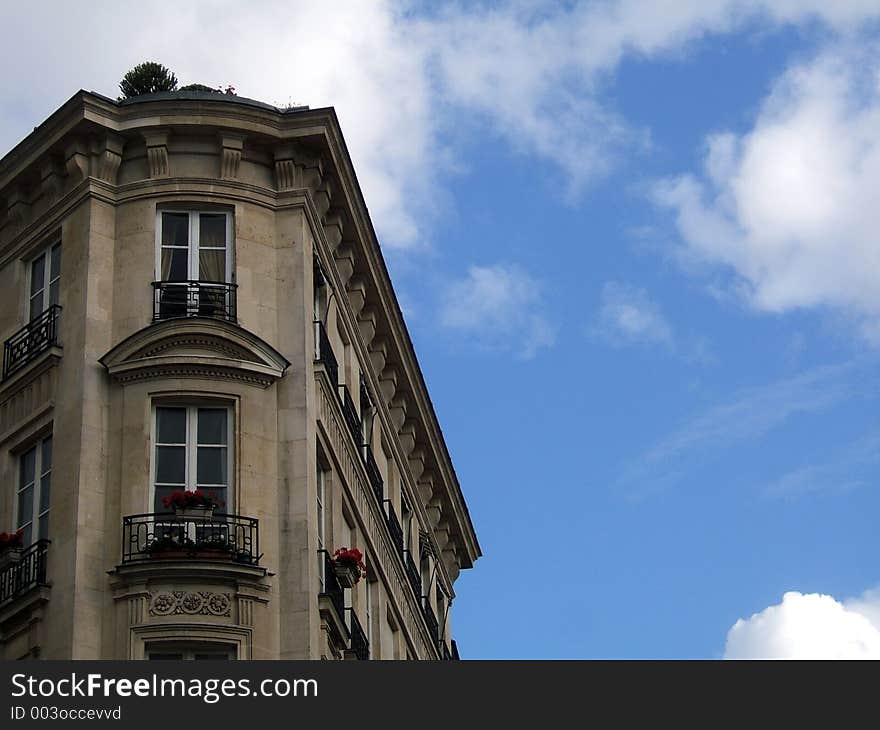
column 352, row 420
column 30, row 341
column 394, row 526
column 330, row 584
column 455, row 656
column 445, row 654
column 430, row 619
column 359, row 643
column 157, row 536
column 373, row 474
column 324, row 354
column 173, row 299
column 412, row 573
column 25, row 573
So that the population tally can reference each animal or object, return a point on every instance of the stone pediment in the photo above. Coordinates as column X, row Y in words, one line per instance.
column 196, row 347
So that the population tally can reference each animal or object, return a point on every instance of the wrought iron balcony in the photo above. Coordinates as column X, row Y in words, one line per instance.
column 324, row 353
column 30, row 341
column 359, row 643
column 445, row 654
column 455, row 656
column 25, row 573
column 373, row 474
column 430, row 619
column 352, row 419
column 330, row 585
column 394, row 526
column 157, row 536
column 173, row 299
column 412, row 573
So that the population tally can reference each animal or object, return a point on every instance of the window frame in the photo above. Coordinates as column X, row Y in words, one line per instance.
column 49, row 277
column 192, row 261
column 40, row 473
column 191, row 447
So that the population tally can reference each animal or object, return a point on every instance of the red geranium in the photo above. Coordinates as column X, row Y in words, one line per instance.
column 352, row 558
column 188, row 500
column 10, row 540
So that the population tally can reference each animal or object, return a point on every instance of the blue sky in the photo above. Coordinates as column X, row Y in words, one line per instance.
column 636, row 247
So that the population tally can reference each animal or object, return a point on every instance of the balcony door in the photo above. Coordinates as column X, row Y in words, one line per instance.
column 45, row 274
column 192, row 451
column 194, row 263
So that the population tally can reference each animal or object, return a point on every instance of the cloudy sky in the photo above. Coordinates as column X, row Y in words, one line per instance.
column 637, row 249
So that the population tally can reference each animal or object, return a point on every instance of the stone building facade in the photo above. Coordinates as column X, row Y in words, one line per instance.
column 192, row 296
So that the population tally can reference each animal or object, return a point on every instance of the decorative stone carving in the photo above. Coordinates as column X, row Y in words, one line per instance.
column 367, row 325
column 425, row 487
column 192, row 603
column 417, row 463
column 344, row 256
column 357, row 295
column 434, row 512
column 231, row 146
column 157, row 152
column 397, row 409
column 18, row 207
column 76, row 162
column 378, row 354
column 296, row 168
column 322, row 197
column 50, row 180
column 388, row 382
column 106, row 153
column 333, row 225
column 407, row 435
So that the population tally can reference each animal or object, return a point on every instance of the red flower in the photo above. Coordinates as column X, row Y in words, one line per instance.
column 189, row 499
column 10, row 540
column 352, row 558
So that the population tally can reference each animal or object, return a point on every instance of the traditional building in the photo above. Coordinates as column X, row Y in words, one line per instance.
column 192, row 296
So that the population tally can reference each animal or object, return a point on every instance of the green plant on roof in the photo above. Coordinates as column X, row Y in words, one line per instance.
column 147, row 78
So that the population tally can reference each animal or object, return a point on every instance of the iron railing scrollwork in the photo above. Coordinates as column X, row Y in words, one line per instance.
column 373, row 474
column 331, row 586
column 175, row 299
column 30, row 341
column 154, row 536
column 360, row 645
column 324, row 353
column 24, row 573
column 349, row 412
column 394, row 527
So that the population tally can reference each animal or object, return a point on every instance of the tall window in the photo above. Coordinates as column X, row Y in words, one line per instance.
column 44, row 276
column 192, row 452
column 368, row 617
column 407, row 517
column 321, row 527
column 195, row 246
column 34, row 485
column 194, row 265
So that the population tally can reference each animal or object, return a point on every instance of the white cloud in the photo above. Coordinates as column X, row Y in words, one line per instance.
column 628, row 316
column 792, row 208
column 402, row 83
column 501, row 307
column 809, row 626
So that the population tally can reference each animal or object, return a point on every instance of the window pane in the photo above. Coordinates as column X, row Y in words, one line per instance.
column 171, row 465
column 212, row 229
column 36, row 305
column 45, row 487
column 211, row 467
column 174, row 264
column 25, row 506
column 171, row 425
column 38, row 274
column 161, row 493
column 55, row 265
column 53, row 292
column 47, row 454
column 212, row 425
column 43, row 533
column 212, row 265
column 28, row 464
column 175, row 229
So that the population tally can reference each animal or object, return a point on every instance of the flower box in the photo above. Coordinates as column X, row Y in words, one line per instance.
column 348, row 566
column 203, row 513
column 347, row 575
